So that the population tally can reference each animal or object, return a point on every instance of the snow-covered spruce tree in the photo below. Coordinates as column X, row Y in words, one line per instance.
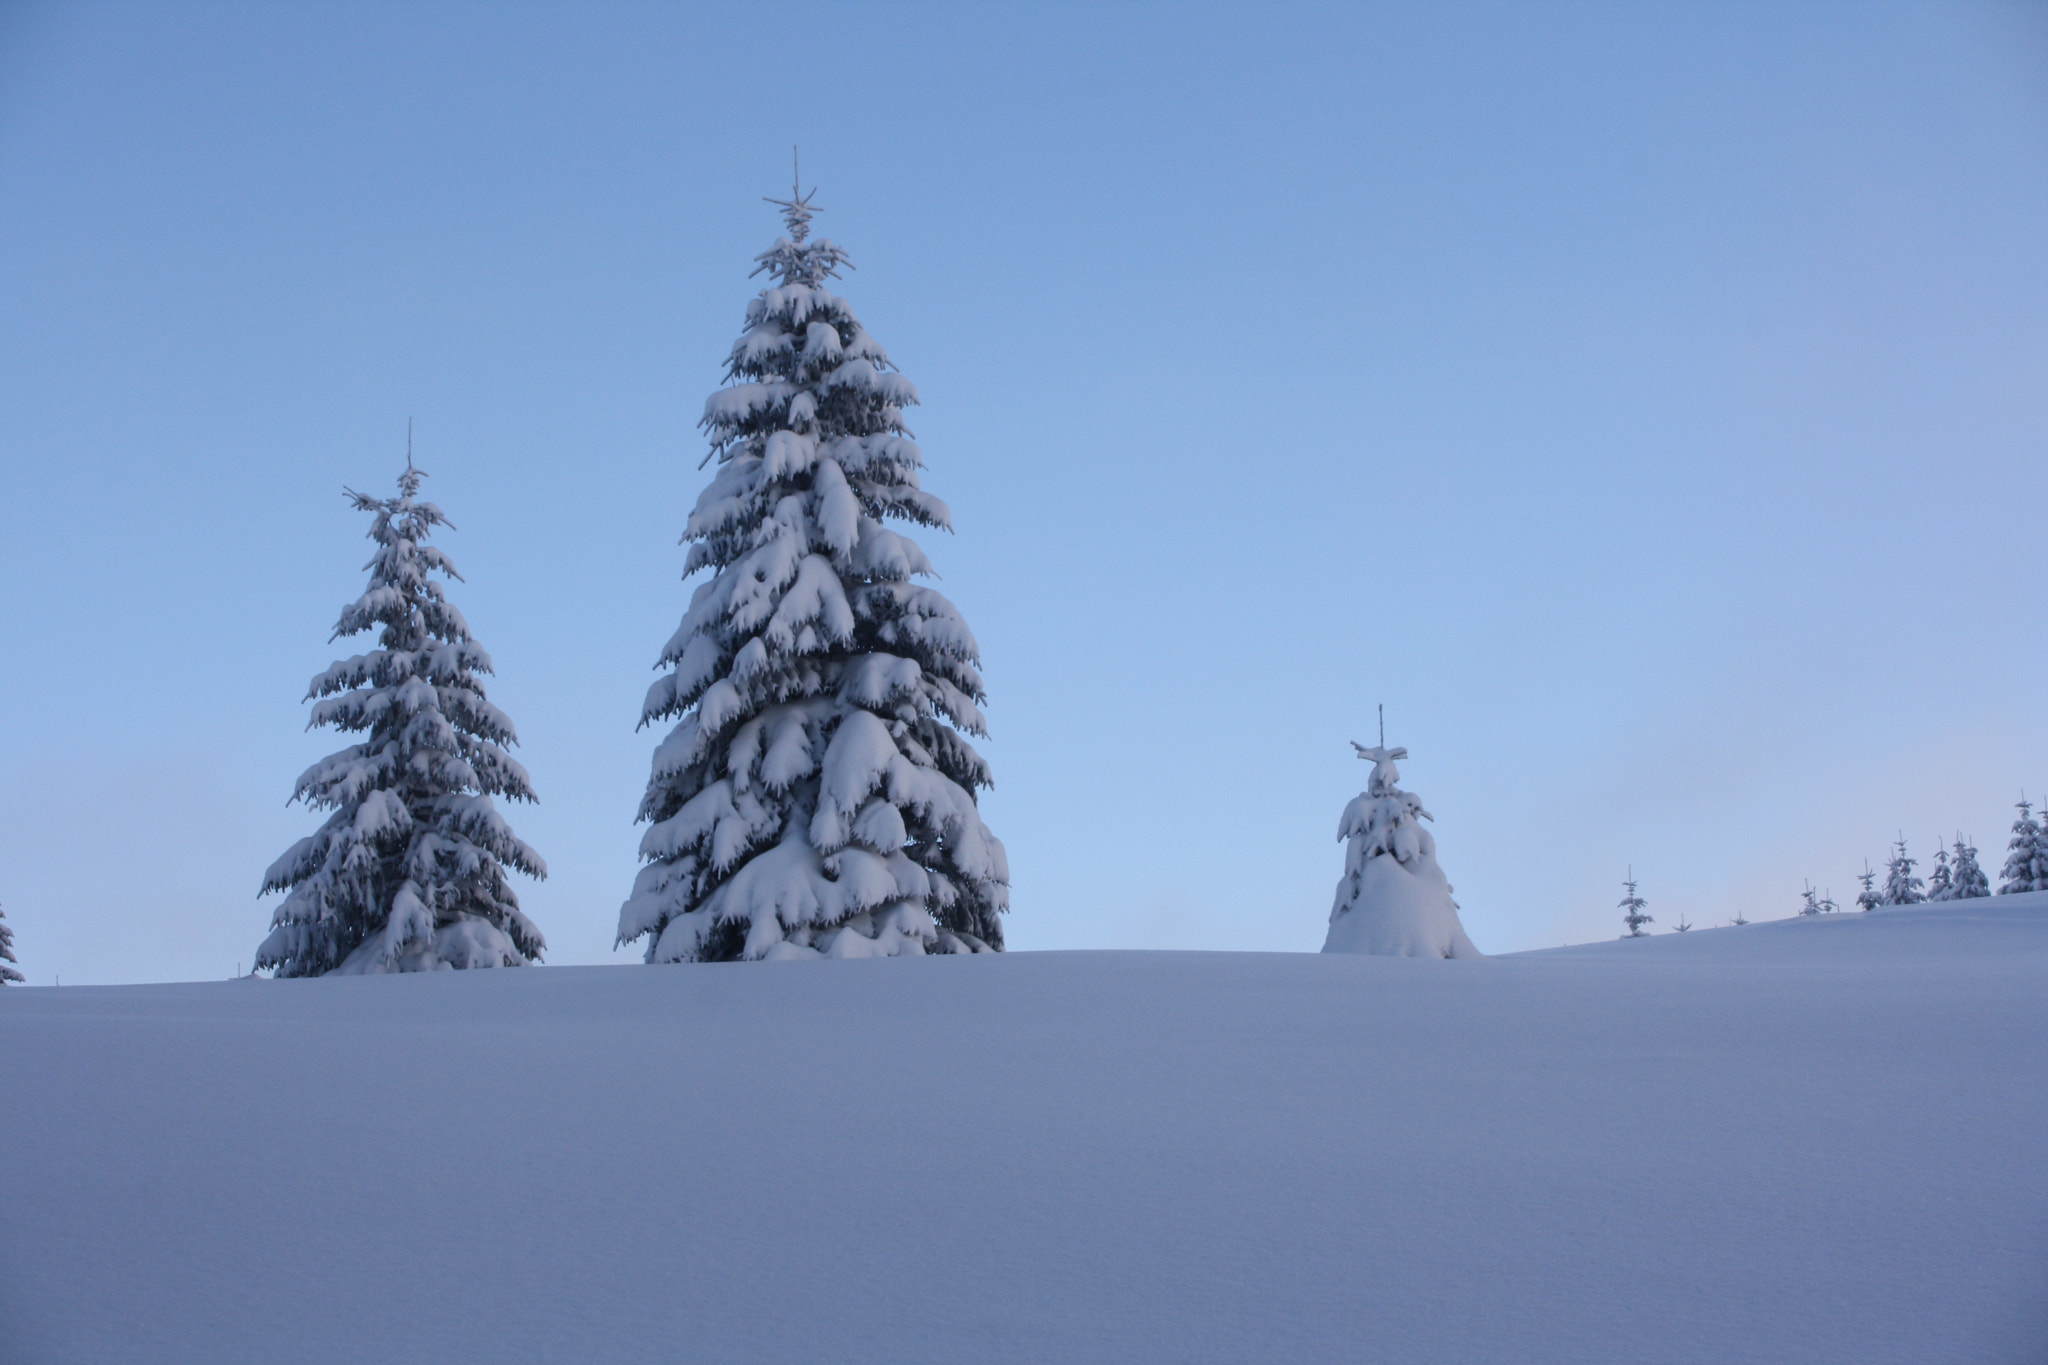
column 1969, row 878
column 1868, row 898
column 1940, row 884
column 2018, row 874
column 1634, row 909
column 816, row 795
column 1810, row 901
column 1393, row 900
column 2040, row 859
column 7, row 972
column 1901, row 887
column 408, row 873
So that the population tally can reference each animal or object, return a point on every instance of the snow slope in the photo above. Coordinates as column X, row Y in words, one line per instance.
column 1806, row 1140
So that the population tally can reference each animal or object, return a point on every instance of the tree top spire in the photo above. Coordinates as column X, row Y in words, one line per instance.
column 797, row 209
column 409, row 481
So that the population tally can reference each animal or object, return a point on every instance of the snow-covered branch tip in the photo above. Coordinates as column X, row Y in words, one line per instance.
column 8, row 962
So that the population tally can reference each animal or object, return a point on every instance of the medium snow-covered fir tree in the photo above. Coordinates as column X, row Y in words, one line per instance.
column 1969, row 878
column 817, row 794
column 1901, row 887
column 1809, row 901
column 409, row 872
column 1393, row 900
column 1868, row 898
column 8, row 962
column 1940, row 883
column 1635, row 912
column 2024, row 863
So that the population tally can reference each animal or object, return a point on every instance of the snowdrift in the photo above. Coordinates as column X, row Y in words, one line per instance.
column 1398, row 911
column 1810, row 1141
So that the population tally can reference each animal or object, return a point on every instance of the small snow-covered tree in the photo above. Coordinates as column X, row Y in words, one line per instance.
column 409, row 872
column 1901, row 887
column 1634, row 909
column 817, row 794
column 1810, row 901
column 1827, row 903
column 1940, row 884
column 8, row 972
column 1393, row 900
column 2025, row 848
column 1969, row 880
column 1868, row 899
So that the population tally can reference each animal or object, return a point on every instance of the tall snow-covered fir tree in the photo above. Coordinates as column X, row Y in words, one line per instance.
column 1969, row 878
column 2024, row 863
column 817, row 794
column 8, row 962
column 1901, row 887
column 409, row 872
column 1393, row 900
column 1635, row 911
column 1940, row 883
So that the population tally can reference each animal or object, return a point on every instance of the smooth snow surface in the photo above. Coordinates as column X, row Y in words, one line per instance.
column 1816, row 1140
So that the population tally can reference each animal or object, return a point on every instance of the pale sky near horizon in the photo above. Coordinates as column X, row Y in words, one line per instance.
column 1647, row 403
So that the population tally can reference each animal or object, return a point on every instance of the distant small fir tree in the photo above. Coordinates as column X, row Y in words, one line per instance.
column 7, row 973
column 1809, row 903
column 1901, row 887
column 1738, row 921
column 2025, row 847
column 1940, row 885
column 1632, row 910
column 1827, row 903
column 1683, row 926
column 1969, row 878
column 1869, row 899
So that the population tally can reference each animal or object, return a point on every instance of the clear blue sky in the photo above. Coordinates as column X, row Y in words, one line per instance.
column 1647, row 403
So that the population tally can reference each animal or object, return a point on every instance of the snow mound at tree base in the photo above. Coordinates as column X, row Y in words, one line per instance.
column 902, row 931
column 464, row 944
column 1399, row 912
column 1822, row 1141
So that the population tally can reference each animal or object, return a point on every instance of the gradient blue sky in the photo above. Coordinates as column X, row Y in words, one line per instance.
column 1647, row 403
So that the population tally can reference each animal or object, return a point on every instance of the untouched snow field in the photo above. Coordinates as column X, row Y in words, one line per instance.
column 1800, row 1141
